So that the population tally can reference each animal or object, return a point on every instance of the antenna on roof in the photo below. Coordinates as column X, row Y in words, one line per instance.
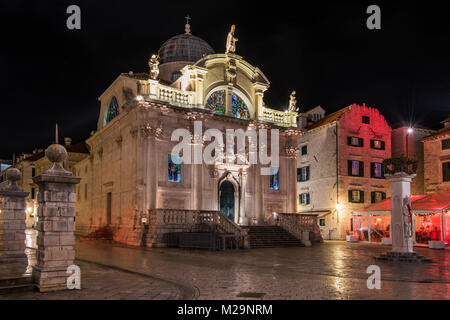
column 187, row 26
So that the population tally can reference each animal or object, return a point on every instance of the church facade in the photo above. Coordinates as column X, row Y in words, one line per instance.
column 132, row 169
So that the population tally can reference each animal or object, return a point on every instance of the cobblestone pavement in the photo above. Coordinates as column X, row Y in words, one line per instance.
column 332, row 270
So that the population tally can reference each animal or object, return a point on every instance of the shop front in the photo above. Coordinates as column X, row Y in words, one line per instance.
column 431, row 221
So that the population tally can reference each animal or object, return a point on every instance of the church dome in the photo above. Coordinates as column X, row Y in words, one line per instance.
column 184, row 47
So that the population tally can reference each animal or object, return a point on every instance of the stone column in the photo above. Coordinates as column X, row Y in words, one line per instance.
column 402, row 233
column 12, row 220
column 56, row 223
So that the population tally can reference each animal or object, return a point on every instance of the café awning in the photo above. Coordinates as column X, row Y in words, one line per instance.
column 420, row 204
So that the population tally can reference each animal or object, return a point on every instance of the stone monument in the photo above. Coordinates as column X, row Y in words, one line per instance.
column 12, row 220
column 400, row 173
column 56, row 223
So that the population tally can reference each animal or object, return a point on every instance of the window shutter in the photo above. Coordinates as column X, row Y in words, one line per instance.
column 349, row 141
column 299, row 170
column 361, row 169
column 361, row 142
column 444, row 171
column 372, row 195
column 349, row 167
column 383, row 195
column 307, row 173
column 361, row 196
column 383, row 145
column 372, row 144
column 372, row 170
column 307, row 198
column 350, row 199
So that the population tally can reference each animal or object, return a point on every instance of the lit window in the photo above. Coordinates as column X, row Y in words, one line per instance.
column 174, row 166
column 238, row 107
column 355, row 168
column 356, row 196
column 304, row 199
column 355, row 142
column 377, row 144
column 274, row 178
column 112, row 111
column 376, row 170
column 216, row 102
column 378, row 196
column 303, row 174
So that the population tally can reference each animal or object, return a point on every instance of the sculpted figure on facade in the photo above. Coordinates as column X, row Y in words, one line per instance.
column 293, row 103
column 231, row 41
column 153, row 63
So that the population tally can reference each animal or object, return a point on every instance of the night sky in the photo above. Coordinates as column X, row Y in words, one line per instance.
column 324, row 51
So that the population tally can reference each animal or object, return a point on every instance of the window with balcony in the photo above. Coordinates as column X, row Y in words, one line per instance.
column 355, row 168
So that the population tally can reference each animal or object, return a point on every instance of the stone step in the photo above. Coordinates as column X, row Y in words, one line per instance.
column 271, row 237
column 15, row 280
column 17, row 288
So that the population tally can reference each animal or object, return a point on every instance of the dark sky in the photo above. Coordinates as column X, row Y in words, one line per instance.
column 324, row 51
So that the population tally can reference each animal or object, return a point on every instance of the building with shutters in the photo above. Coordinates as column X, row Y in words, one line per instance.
column 340, row 167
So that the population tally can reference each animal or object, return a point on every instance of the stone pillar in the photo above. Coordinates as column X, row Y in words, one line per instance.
column 402, row 234
column 56, row 223
column 12, row 220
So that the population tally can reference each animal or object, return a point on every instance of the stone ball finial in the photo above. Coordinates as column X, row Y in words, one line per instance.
column 13, row 175
column 56, row 153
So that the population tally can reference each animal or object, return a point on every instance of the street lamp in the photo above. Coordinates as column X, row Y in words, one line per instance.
column 408, row 132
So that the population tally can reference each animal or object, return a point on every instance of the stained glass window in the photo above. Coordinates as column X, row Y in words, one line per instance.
column 112, row 111
column 174, row 169
column 274, row 179
column 238, row 107
column 216, row 102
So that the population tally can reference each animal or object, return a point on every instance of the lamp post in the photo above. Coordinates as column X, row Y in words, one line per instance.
column 408, row 132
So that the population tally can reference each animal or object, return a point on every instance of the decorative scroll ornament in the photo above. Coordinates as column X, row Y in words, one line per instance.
column 153, row 64
column 407, row 217
column 291, row 151
column 293, row 103
column 214, row 172
column 396, row 165
column 147, row 130
column 230, row 71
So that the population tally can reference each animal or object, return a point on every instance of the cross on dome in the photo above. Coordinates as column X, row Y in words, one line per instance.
column 187, row 27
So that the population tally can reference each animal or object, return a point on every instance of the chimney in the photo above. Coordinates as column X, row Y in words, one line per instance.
column 67, row 141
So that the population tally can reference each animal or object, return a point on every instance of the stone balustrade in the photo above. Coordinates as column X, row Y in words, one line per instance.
column 167, row 221
column 302, row 226
column 280, row 118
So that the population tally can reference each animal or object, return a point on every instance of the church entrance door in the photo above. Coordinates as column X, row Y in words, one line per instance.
column 227, row 199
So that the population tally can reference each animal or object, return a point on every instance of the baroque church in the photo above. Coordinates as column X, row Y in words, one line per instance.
column 131, row 170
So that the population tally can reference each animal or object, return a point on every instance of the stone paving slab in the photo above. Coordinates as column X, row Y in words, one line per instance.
column 332, row 270
column 103, row 283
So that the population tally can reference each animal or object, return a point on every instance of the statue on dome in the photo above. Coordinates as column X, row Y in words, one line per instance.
column 293, row 103
column 153, row 63
column 231, row 41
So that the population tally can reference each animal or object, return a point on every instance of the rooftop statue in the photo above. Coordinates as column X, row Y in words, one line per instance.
column 231, row 41
column 153, row 63
column 293, row 103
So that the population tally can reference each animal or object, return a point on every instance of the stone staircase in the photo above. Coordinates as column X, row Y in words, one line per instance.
column 23, row 283
column 104, row 233
column 271, row 237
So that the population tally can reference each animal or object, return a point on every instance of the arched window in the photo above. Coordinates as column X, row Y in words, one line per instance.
column 216, row 102
column 112, row 111
column 238, row 107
